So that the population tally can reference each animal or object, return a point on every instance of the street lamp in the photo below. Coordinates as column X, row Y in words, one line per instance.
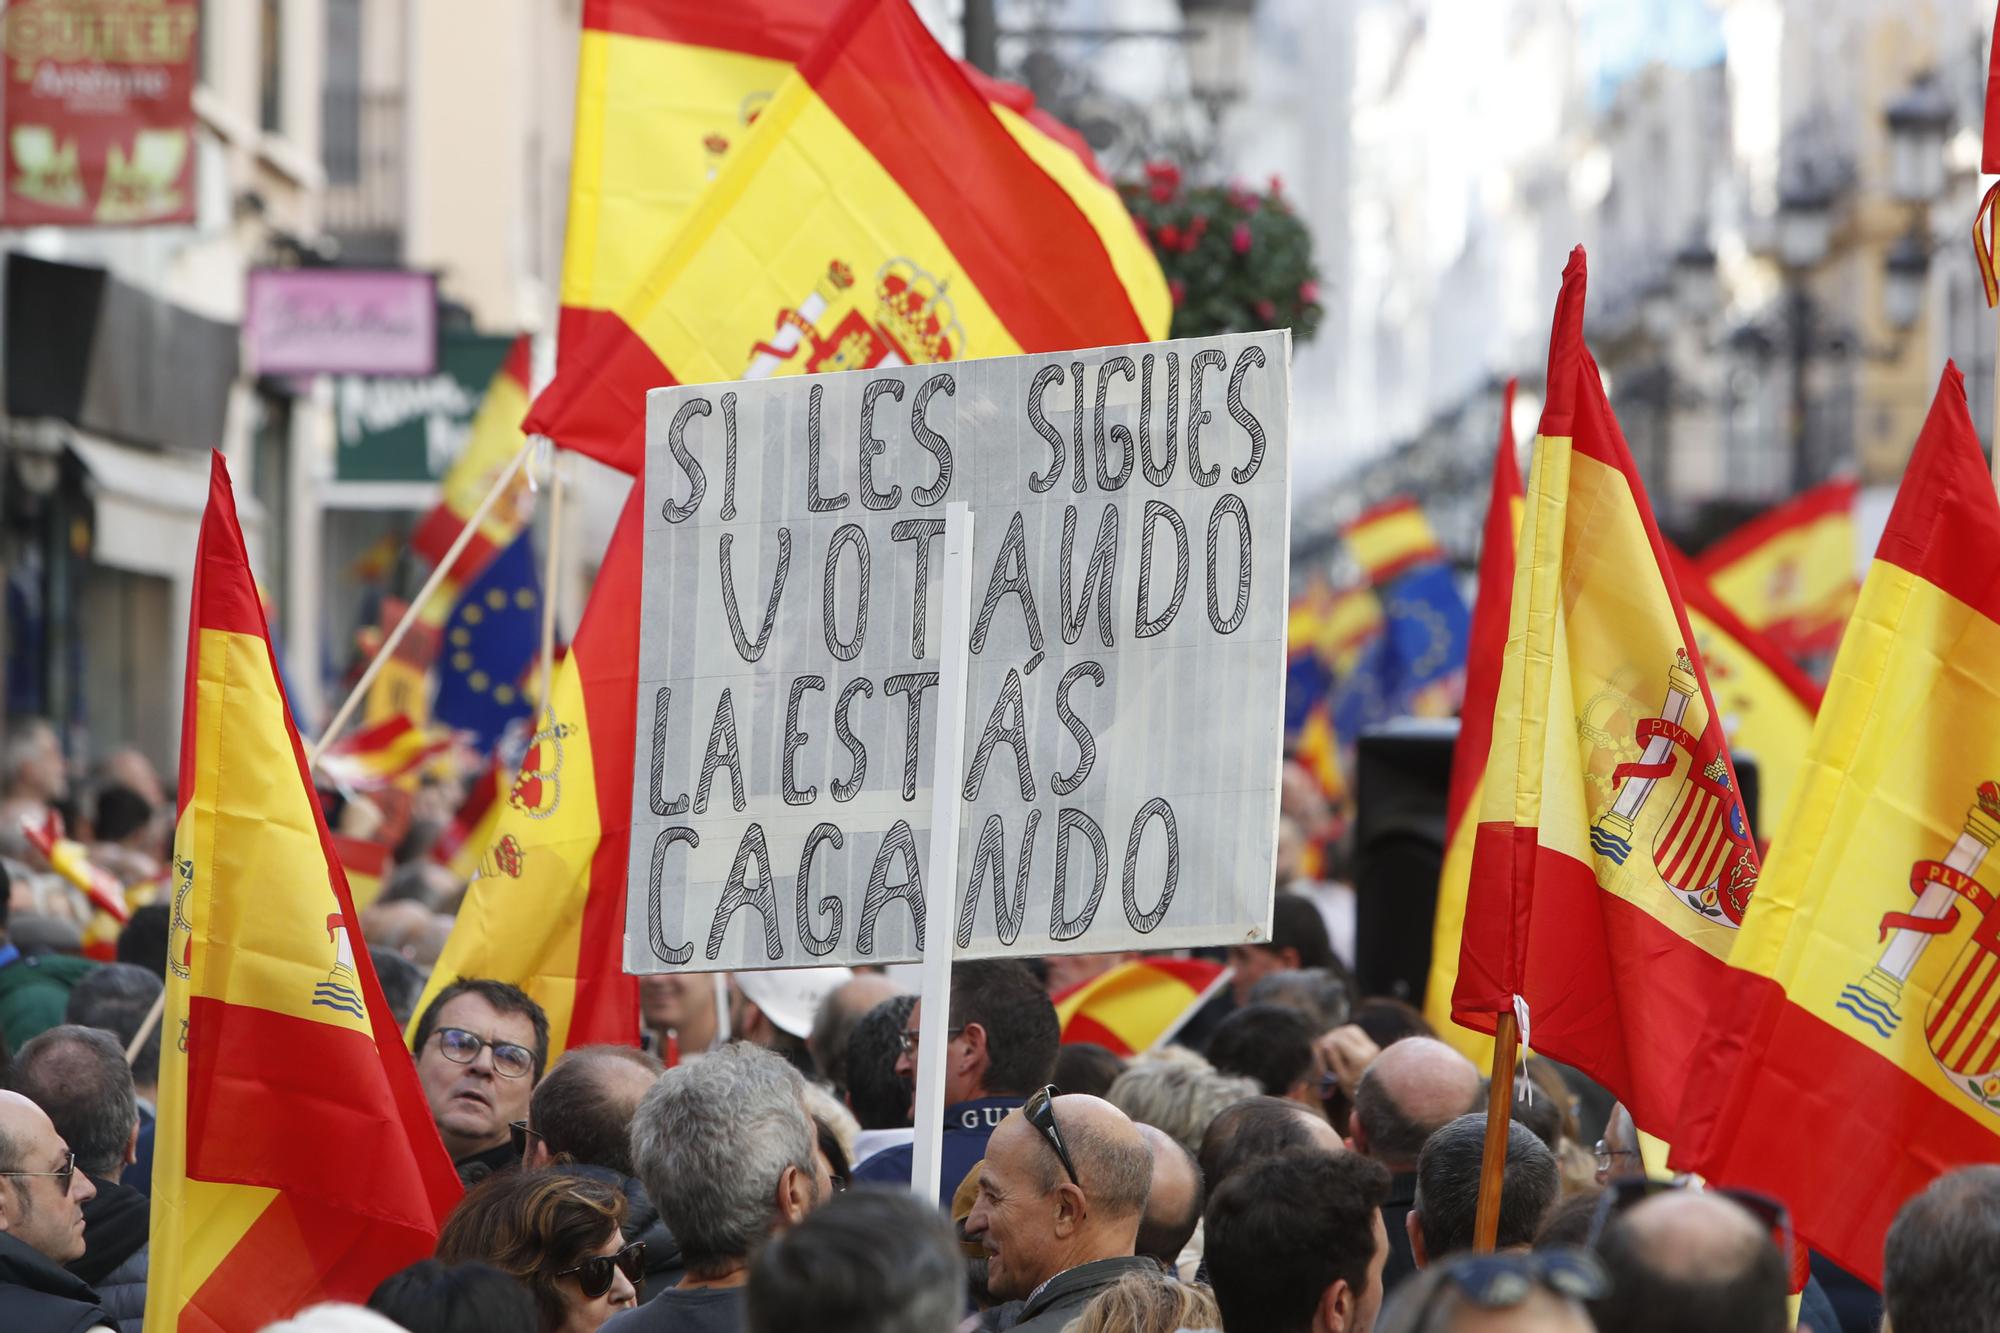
column 1695, row 287
column 1918, row 121
column 1907, row 268
column 1805, row 223
column 1656, row 310
column 1218, row 48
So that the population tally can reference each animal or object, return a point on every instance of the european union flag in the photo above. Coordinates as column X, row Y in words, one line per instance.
column 490, row 642
column 1422, row 646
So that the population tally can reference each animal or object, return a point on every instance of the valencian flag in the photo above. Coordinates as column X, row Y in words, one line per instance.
column 1858, row 1023
column 1791, row 572
column 1612, row 861
column 546, row 907
column 492, row 640
column 1463, row 798
column 1766, row 701
column 883, row 211
column 296, row 1160
column 1132, row 1007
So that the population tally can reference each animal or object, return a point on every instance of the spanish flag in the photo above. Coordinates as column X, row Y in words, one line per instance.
column 546, row 907
column 1392, row 538
column 296, row 1160
column 1791, row 572
column 366, row 865
column 1853, row 1048
column 472, row 829
column 383, row 755
column 495, row 437
column 1136, row 1005
column 1463, row 799
column 882, row 212
column 1612, row 859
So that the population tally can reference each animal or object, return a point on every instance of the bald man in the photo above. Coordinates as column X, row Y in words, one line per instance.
column 1173, row 1205
column 1411, row 1090
column 1062, row 1192
column 843, row 1008
column 41, row 1225
column 1691, row 1259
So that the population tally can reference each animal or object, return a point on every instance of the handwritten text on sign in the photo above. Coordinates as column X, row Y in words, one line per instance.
column 1126, row 654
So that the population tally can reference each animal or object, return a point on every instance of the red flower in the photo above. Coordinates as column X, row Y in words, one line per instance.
column 1178, row 290
column 1277, row 185
column 1198, row 224
column 1164, row 173
column 1308, row 293
column 1170, row 237
column 1266, row 311
column 1239, row 240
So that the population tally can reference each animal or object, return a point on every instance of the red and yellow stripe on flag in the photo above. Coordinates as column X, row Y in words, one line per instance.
column 1791, row 572
column 296, row 1160
column 366, row 865
column 384, row 754
column 546, row 909
column 490, row 445
column 1131, row 1007
column 1486, row 646
column 1858, row 1023
column 1612, row 859
column 1767, row 702
column 473, row 828
column 1390, row 538
column 942, row 226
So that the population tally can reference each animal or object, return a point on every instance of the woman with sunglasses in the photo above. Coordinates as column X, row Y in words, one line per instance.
column 558, row 1234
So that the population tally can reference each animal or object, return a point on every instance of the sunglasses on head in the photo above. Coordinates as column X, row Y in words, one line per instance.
column 63, row 1174
column 1040, row 1113
column 1503, row 1281
column 593, row 1275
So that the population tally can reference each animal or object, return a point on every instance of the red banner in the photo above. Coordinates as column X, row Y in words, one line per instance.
column 98, row 112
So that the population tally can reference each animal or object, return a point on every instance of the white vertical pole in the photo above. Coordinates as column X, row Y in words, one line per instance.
column 941, row 873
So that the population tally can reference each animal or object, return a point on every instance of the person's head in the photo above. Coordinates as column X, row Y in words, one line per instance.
column 129, row 768
column 1298, row 939
column 1941, row 1263
column 1569, row 1221
column 41, row 1198
column 682, row 1002
column 1142, row 1303
column 121, row 813
column 1002, row 1035
column 78, row 1076
column 1270, row 1044
column 582, row 1112
column 727, row 1152
column 1259, row 1127
column 116, row 998
column 433, row 1297
column 776, row 1009
column 1409, row 1092
column 876, row 1093
column 555, row 1232
column 1086, row 1067
column 408, row 928
column 1693, row 1259
column 480, row 1049
column 1618, row 1156
column 1542, row 1292
column 1173, row 1205
column 143, row 942
column 1322, row 996
column 1388, row 1021
column 871, row 1261
column 1447, row 1200
column 1295, row 1244
column 1179, row 1092
column 423, row 882
column 402, row 983
column 1038, row 1215
column 844, row 1007
column 33, row 767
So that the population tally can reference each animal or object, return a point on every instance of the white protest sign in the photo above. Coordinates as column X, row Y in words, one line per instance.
column 1123, row 727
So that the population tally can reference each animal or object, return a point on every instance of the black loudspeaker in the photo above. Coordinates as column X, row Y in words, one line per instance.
column 1402, row 777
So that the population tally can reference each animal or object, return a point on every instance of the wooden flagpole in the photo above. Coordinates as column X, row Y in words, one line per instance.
column 1499, row 1119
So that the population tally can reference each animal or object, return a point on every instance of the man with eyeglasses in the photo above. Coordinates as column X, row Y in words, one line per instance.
column 480, row 1048
column 41, row 1226
column 1001, row 1044
column 1061, row 1194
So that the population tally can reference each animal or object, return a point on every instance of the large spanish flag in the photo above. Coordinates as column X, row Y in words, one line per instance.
column 1853, row 1051
column 1612, row 859
column 885, row 210
column 1463, row 799
column 546, row 908
column 1792, row 572
column 296, row 1159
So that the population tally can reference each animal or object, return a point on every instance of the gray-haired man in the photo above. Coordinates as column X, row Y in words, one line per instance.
column 726, row 1148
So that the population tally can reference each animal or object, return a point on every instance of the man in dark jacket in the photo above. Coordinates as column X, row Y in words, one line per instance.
column 1061, row 1194
column 581, row 1117
column 41, row 1227
column 78, row 1076
column 34, row 987
column 1409, row 1092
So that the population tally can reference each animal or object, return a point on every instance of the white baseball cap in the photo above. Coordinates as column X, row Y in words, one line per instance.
column 791, row 997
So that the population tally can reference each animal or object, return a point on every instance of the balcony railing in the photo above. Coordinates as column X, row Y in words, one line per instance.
column 362, row 149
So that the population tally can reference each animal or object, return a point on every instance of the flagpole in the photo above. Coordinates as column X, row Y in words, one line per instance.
column 424, row 594
column 146, row 1026
column 551, row 566
column 1499, row 1120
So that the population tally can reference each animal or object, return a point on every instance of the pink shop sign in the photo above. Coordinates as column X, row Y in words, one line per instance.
column 340, row 321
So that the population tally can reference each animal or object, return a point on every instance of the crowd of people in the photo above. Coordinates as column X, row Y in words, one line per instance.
column 1299, row 1159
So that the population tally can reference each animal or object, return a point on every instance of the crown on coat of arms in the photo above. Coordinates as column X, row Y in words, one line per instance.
column 914, row 310
column 1989, row 799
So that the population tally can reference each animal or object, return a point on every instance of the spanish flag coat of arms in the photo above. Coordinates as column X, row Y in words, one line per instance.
column 1613, row 860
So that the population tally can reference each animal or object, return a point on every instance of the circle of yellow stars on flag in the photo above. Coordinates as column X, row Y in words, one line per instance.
column 460, row 640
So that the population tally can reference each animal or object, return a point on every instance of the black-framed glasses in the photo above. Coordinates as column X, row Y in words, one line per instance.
column 909, row 1040
column 593, row 1275
column 1503, row 1281
column 1040, row 1112
column 64, row 1175
column 1621, row 1195
column 518, row 1135
column 462, row 1047
column 1606, row 1154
